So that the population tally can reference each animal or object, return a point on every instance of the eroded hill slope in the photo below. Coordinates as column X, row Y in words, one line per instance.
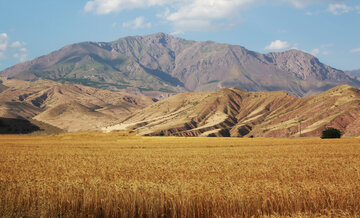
column 234, row 112
column 66, row 106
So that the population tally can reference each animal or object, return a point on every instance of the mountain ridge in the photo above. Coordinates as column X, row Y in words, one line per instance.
column 161, row 65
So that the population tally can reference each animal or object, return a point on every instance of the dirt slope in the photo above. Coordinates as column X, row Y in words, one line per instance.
column 234, row 112
column 66, row 106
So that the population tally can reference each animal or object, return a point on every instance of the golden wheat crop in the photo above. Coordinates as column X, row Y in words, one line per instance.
column 120, row 175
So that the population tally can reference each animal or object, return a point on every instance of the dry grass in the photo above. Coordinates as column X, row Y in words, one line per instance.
column 121, row 175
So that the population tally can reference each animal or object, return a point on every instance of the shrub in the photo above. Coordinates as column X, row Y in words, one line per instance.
column 331, row 133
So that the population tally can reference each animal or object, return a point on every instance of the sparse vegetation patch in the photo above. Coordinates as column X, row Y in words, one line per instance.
column 331, row 133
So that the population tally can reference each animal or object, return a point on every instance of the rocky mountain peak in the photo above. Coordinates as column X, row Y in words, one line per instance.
column 163, row 63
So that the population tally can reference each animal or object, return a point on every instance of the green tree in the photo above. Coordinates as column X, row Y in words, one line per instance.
column 331, row 133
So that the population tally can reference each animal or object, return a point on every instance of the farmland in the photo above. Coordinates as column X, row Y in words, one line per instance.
column 122, row 175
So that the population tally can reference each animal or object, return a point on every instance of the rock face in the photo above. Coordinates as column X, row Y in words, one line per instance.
column 234, row 112
column 66, row 106
column 160, row 65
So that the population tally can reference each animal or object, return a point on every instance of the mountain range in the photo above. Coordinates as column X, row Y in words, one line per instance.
column 160, row 65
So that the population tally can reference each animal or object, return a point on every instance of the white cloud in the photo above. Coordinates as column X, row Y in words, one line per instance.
column 108, row 6
column 278, row 45
column 16, row 44
column 207, row 9
column 207, row 14
column 194, row 15
column 4, row 42
column 177, row 33
column 184, row 14
column 305, row 3
column 300, row 3
column 21, row 54
column 7, row 47
column 338, row 9
column 137, row 23
column 322, row 49
column 325, row 52
column 355, row 50
column 315, row 51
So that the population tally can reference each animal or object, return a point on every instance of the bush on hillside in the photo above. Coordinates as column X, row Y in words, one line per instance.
column 331, row 133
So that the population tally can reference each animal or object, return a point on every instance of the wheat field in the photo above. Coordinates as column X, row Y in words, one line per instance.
column 124, row 175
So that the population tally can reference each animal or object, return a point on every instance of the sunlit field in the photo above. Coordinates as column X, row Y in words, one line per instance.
column 121, row 175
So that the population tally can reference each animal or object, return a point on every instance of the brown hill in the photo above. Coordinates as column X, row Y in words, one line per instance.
column 159, row 64
column 2, row 87
column 16, row 126
column 66, row 106
column 22, row 126
column 234, row 112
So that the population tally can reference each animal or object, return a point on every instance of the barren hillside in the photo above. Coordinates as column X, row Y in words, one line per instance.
column 234, row 112
column 66, row 106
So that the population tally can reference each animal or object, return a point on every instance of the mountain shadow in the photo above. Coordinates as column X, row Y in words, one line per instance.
column 164, row 76
column 17, row 126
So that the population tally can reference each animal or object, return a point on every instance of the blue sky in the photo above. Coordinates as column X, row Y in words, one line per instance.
column 328, row 29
